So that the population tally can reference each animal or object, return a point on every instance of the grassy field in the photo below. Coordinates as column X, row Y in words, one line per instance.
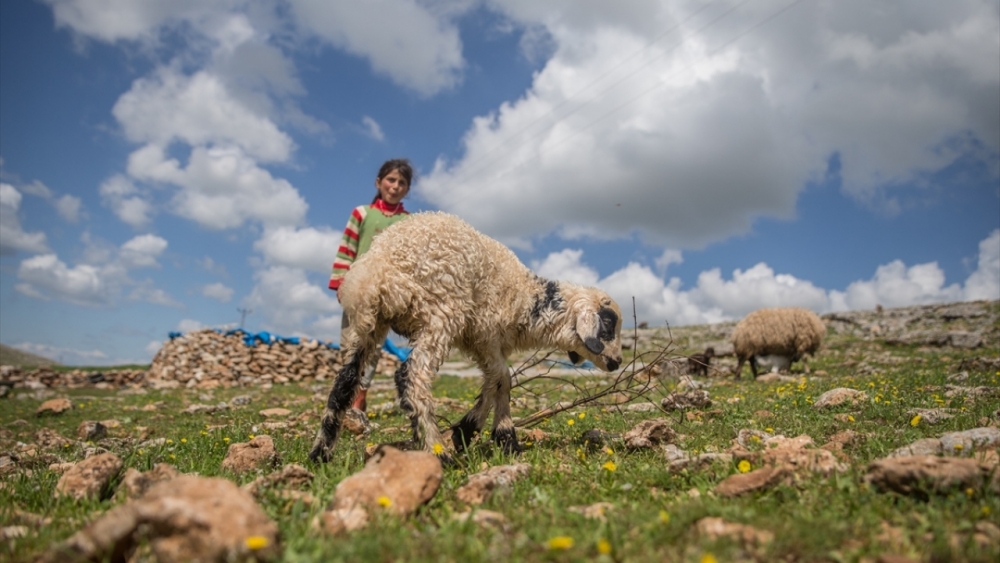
column 10, row 356
column 654, row 511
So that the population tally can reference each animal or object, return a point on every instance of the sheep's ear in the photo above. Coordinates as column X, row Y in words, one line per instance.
column 587, row 324
column 574, row 357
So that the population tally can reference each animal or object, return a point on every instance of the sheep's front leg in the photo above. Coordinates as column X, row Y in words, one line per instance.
column 472, row 423
column 496, row 389
column 413, row 385
column 344, row 388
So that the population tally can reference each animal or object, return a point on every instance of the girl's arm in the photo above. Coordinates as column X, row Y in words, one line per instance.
column 348, row 250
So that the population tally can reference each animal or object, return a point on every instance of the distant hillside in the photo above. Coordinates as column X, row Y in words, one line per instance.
column 14, row 357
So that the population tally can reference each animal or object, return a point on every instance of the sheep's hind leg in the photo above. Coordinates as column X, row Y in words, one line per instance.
column 413, row 385
column 497, row 376
column 343, row 392
column 472, row 423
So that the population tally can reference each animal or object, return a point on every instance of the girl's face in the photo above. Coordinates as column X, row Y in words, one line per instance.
column 392, row 187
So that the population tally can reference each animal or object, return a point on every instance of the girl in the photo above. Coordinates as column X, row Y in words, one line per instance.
column 393, row 183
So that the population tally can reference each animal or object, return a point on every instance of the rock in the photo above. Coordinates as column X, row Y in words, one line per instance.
column 135, row 484
column 258, row 453
column 596, row 511
column 483, row 518
column 839, row 396
column 924, row 474
column 642, row 407
column 966, row 442
column 695, row 399
column 393, row 480
column 54, row 406
column 356, row 422
column 240, row 401
column 272, row 413
column 89, row 478
column 758, row 479
column 91, row 431
column 595, row 439
column 292, row 475
column 48, row 438
column 188, row 518
column 929, row 416
column 482, row 485
column 650, row 433
column 925, row 446
column 715, row 528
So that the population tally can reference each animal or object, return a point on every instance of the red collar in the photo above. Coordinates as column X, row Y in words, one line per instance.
column 387, row 209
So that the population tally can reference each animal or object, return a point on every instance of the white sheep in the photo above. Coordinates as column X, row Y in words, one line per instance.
column 437, row 281
column 791, row 332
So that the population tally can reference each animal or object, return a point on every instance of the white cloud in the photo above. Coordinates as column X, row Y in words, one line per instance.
column 289, row 302
column 984, row 283
column 218, row 291
column 154, row 347
column 566, row 265
column 126, row 201
column 13, row 238
column 142, row 251
column 62, row 355
column 46, row 276
column 402, row 39
column 373, row 128
column 69, row 207
column 198, row 110
column 689, row 137
column 669, row 256
column 189, row 325
column 309, row 248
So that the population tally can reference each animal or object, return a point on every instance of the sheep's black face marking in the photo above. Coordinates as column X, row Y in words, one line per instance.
column 551, row 300
column 606, row 330
column 574, row 357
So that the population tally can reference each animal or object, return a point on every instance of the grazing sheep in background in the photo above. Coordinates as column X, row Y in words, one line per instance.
column 791, row 332
column 698, row 363
column 437, row 281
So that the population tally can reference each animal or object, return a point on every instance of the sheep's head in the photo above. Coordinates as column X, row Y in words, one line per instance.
column 597, row 323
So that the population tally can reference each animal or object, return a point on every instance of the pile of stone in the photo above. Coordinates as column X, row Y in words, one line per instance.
column 44, row 377
column 208, row 358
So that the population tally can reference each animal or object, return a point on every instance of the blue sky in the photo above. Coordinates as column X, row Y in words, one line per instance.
column 169, row 162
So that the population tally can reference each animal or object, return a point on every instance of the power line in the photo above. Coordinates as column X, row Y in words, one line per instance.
column 243, row 315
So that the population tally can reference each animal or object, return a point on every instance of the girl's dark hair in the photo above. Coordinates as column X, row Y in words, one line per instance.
column 401, row 165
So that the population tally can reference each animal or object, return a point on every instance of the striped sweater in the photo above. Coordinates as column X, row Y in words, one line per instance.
column 366, row 221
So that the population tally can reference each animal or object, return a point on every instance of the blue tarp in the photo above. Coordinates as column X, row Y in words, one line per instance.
column 252, row 338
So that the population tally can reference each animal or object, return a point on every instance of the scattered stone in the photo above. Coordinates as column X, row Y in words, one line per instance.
column 841, row 439
column 756, row 480
column 749, row 438
column 925, row 446
column 981, row 392
column 535, row 435
column 198, row 408
column 393, row 480
column 89, row 478
column 596, row 439
column 356, row 422
column 967, row 442
column 714, row 528
column 258, row 453
column 111, row 423
column 650, row 433
column 694, row 399
column 483, row 518
column 930, row 416
column 91, row 431
column 276, row 412
column 642, row 407
column 13, row 532
column 596, row 511
column 54, row 406
column 291, row 475
column 484, row 484
column 46, row 438
column 839, row 396
column 924, row 474
column 240, row 401
column 61, row 468
column 188, row 518
column 135, row 483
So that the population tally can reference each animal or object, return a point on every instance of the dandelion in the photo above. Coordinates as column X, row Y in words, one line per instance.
column 172, row 456
column 915, row 420
column 603, row 547
column 610, row 466
column 582, row 416
column 384, row 501
column 252, row 436
column 664, row 517
column 709, row 558
column 743, row 466
column 438, row 448
column 570, row 422
column 203, row 433
column 850, row 418
column 256, row 542
column 985, row 510
column 169, row 441
column 959, row 447
column 184, row 440
column 609, row 451
column 561, row 542
column 769, row 430
column 969, row 492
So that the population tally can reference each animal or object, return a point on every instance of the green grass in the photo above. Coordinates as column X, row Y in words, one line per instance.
column 833, row 519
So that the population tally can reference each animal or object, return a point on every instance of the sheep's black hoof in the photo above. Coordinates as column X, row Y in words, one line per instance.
column 506, row 439
column 447, row 460
column 463, row 433
column 319, row 454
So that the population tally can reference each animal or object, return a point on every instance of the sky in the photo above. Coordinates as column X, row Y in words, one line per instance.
column 172, row 165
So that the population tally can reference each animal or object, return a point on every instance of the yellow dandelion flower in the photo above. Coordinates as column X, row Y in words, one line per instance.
column 252, row 436
column 561, row 542
column 256, row 542
column 184, row 440
column 604, row 547
column 959, row 447
column 438, row 448
column 969, row 492
column 384, row 501
column 985, row 510
column 664, row 517
column 570, row 422
column 709, row 558
column 582, row 415
column 169, row 441
column 850, row 418
column 743, row 466
column 754, row 438
column 172, row 456
column 203, row 433
column 226, row 439
column 915, row 420
column 610, row 466
column 609, row 451
column 769, row 430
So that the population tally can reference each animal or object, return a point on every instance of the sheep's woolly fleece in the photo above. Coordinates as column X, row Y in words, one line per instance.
column 437, row 281
column 791, row 332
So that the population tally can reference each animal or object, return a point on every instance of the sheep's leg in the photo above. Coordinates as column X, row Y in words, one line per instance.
column 343, row 392
column 413, row 385
column 739, row 366
column 473, row 421
column 753, row 365
column 498, row 376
